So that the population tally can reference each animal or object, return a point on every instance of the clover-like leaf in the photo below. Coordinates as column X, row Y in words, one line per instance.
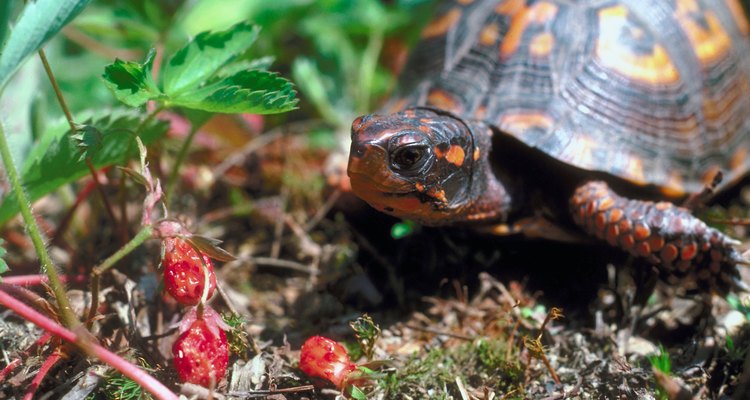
column 208, row 52
column 256, row 92
column 38, row 22
column 131, row 82
column 54, row 160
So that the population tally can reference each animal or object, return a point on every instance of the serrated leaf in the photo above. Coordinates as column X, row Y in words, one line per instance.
column 210, row 246
column 206, row 54
column 131, row 82
column 255, row 92
column 53, row 160
column 38, row 22
column 3, row 264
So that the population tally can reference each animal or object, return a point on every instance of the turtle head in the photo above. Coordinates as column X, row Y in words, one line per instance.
column 426, row 165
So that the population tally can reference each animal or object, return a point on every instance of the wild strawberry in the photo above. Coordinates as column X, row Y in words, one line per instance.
column 201, row 353
column 183, row 272
column 325, row 358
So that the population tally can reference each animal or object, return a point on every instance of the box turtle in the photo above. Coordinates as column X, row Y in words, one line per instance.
column 539, row 117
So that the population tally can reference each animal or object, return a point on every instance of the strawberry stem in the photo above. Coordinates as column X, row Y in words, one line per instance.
column 96, row 273
column 89, row 347
column 48, row 266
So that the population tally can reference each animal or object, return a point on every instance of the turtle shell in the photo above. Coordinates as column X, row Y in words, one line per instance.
column 656, row 92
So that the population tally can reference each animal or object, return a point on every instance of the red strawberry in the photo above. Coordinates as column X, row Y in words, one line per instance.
column 201, row 353
column 183, row 272
column 325, row 358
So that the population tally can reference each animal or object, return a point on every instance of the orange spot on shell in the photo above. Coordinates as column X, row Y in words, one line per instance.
column 674, row 187
column 627, row 242
column 519, row 122
column 489, row 34
column 442, row 24
column 739, row 158
column 738, row 13
column 455, row 155
column 542, row 44
column 625, row 226
column 477, row 153
column 653, row 68
column 710, row 42
column 522, row 17
column 442, row 99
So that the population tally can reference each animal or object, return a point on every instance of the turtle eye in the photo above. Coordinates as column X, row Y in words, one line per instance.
column 409, row 158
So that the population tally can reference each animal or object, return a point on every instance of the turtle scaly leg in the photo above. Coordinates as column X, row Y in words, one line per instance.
column 679, row 244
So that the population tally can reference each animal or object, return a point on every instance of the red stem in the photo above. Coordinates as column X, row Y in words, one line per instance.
column 156, row 388
column 39, row 377
column 33, row 280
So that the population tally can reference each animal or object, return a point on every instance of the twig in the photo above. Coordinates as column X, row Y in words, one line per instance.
column 277, row 262
column 85, row 344
column 39, row 377
column 441, row 333
column 73, row 129
column 323, row 210
column 96, row 273
column 264, row 393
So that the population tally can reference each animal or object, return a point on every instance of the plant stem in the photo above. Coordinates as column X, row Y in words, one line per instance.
column 96, row 273
column 48, row 266
column 73, row 129
column 85, row 344
column 172, row 181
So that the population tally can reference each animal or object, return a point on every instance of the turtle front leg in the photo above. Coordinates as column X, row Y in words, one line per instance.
column 683, row 247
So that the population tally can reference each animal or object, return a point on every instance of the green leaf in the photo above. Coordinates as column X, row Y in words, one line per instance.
column 357, row 393
column 5, row 8
column 38, row 22
column 54, row 161
column 131, row 82
column 208, row 52
column 256, row 92
column 3, row 264
column 403, row 229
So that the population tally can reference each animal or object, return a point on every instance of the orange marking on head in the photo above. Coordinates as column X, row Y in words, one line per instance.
column 542, row 44
column 522, row 17
column 641, row 231
column 442, row 99
column 439, row 153
column 489, row 34
column 669, row 253
column 455, row 155
column 709, row 44
column 441, row 25
column 437, row 194
column 689, row 251
column 738, row 14
column 477, row 153
column 654, row 68
column 419, row 187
